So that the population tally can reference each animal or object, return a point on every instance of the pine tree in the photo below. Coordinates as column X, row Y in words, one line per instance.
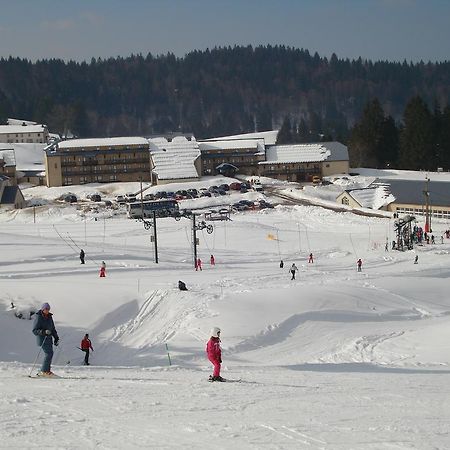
column 417, row 139
column 285, row 134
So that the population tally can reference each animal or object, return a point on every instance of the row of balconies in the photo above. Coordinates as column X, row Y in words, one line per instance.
column 78, row 173
column 106, row 162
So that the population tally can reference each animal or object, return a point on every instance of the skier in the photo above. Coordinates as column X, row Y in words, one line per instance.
column 432, row 239
column 86, row 345
column 212, row 260
column 311, row 259
column 44, row 329
column 214, row 352
column 359, row 264
column 82, row 256
column 281, row 264
column 103, row 270
column 416, row 259
column 198, row 264
column 293, row 269
column 182, row 286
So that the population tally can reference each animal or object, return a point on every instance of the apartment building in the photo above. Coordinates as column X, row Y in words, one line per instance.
column 105, row 160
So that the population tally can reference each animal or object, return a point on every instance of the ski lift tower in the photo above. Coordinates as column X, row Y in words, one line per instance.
column 404, row 231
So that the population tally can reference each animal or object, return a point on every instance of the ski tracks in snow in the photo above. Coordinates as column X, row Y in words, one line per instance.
column 297, row 436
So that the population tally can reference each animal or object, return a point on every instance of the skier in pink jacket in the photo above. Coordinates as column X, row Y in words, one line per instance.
column 214, row 353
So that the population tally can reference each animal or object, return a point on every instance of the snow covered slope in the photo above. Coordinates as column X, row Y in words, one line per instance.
column 335, row 359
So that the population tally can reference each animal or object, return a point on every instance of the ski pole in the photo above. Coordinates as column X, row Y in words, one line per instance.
column 39, row 352
column 168, row 354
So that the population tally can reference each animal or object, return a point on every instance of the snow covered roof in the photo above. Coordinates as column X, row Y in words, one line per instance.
column 231, row 145
column 174, row 159
column 374, row 197
column 7, row 155
column 305, row 153
column 101, row 142
column 411, row 191
column 16, row 129
column 9, row 195
column 338, row 151
column 12, row 121
column 270, row 137
column 296, row 153
column 29, row 157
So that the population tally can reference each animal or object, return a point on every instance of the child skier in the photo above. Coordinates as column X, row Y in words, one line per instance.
column 214, row 353
column 103, row 270
column 85, row 346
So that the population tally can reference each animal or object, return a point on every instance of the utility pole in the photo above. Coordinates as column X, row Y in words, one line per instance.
column 426, row 192
column 194, row 234
column 154, row 237
column 142, row 201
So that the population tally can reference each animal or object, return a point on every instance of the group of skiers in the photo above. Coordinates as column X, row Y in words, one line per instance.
column 46, row 335
column 199, row 262
column 102, row 273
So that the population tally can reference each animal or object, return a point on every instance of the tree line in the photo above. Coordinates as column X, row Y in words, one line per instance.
column 419, row 141
column 220, row 91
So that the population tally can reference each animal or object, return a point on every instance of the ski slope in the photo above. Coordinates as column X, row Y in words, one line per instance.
column 335, row 359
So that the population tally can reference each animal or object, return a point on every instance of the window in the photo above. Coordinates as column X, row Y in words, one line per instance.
column 345, row 201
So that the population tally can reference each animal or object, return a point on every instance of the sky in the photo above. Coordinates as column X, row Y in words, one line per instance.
column 392, row 30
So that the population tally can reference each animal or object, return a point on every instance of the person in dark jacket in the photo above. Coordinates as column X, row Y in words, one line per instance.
column 82, row 256
column 85, row 346
column 182, row 286
column 45, row 331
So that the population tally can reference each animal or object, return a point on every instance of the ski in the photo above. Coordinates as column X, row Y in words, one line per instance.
column 224, row 380
column 56, row 377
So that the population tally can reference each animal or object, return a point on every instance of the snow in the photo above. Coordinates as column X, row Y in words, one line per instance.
column 333, row 360
column 13, row 129
column 101, row 142
column 29, row 156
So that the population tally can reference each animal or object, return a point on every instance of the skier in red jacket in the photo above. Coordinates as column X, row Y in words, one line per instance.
column 214, row 353
column 85, row 346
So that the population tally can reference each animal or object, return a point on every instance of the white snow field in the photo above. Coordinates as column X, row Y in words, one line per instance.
column 335, row 359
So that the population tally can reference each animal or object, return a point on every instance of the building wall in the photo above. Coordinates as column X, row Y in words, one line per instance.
column 25, row 137
column 436, row 211
column 346, row 199
column 80, row 166
column 246, row 160
column 335, row 167
column 297, row 172
column 171, row 180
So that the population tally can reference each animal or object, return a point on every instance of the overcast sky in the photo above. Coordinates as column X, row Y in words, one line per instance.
column 81, row 29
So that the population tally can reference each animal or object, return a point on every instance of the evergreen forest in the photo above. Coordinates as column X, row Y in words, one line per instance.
column 390, row 114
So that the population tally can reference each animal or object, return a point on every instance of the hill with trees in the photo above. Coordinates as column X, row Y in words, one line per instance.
column 227, row 91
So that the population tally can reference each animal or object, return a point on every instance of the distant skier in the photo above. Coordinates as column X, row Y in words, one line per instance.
column 86, row 345
column 182, row 286
column 311, row 259
column 82, row 256
column 416, row 259
column 103, row 270
column 281, row 264
column 214, row 352
column 212, row 261
column 293, row 269
column 44, row 329
column 198, row 264
column 359, row 264
column 393, row 245
column 432, row 239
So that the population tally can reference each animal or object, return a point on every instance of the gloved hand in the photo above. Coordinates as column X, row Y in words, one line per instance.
column 48, row 332
column 56, row 342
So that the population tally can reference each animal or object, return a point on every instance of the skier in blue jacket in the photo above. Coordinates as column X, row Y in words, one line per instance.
column 45, row 330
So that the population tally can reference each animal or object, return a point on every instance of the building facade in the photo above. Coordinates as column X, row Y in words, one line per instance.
column 24, row 133
column 80, row 161
column 245, row 154
column 8, row 164
column 304, row 162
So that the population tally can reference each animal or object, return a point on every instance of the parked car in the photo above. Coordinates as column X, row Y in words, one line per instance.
column 239, row 207
column 235, row 186
column 95, row 198
column 243, row 190
column 225, row 187
column 70, row 198
column 257, row 187
column 130, row 199
column 205, row 194
column 120, row 199
column 221, row 191
column 213, row 188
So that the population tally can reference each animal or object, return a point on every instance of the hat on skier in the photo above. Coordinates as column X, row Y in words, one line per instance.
column 215, row 332
column 45, row 306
